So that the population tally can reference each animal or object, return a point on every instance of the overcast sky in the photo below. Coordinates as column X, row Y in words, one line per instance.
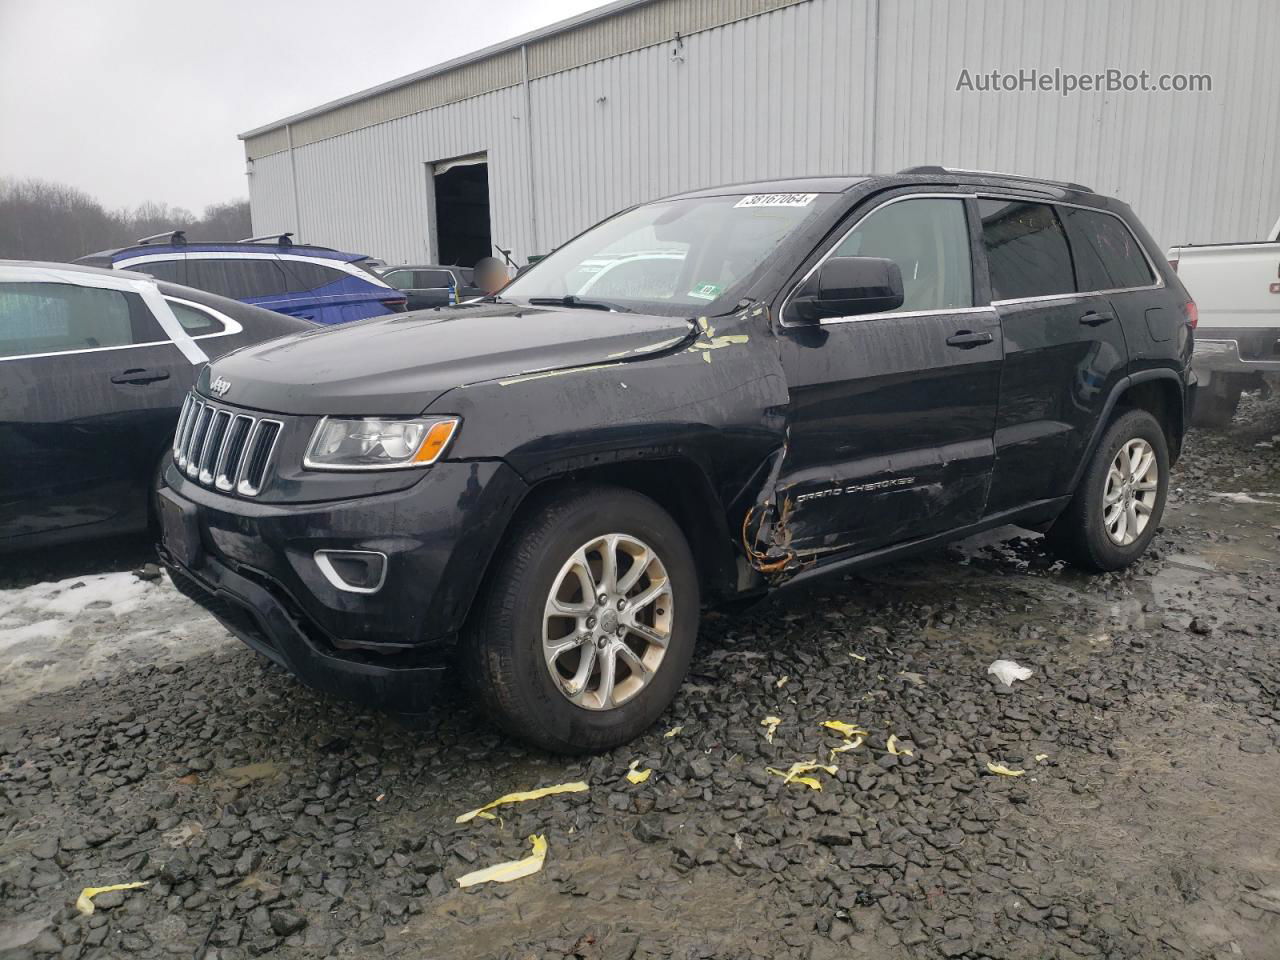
column 135, row 100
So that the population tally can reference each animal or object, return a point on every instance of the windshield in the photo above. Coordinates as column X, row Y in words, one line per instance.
column 670, row 257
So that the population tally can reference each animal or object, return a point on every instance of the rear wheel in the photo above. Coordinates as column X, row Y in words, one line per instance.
column 587, row 626
column 1118, row 505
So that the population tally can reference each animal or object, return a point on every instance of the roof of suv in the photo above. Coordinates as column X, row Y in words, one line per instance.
column 107, row 257
column 922, row 174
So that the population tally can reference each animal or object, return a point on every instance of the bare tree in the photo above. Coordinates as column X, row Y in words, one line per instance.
column 40, row 220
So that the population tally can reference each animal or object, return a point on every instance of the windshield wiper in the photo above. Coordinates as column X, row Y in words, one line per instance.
column 569, row 300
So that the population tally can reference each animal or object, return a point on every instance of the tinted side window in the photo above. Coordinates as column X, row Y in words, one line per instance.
column 400, row 279
column 1026, row 248
column 1107, row 253
column 432, row 279
column 195, row 322
column 56, row 317
column 237, row 279
column 173, row 271
column 928, row 238
column 308, row 276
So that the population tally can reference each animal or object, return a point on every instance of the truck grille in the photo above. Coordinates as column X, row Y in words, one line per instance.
column 223, row 448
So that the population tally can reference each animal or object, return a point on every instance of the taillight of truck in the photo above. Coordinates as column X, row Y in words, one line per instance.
column 1191, row 312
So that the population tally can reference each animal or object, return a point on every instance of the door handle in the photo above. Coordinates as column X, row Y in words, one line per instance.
column 1093, row 318
column 139, row 376
column 967, row 339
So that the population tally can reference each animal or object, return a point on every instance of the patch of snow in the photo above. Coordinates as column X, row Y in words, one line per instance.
column 1249, row 497
column 40, row 630
column 55, row 635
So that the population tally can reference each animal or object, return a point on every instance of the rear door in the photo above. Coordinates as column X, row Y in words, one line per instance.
column 1064, row 352
column 1111, row 262
column 892, row 414
column 89, row 391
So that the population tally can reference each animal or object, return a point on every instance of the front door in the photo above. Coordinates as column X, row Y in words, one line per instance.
column 1064, row 352
column 892, row 414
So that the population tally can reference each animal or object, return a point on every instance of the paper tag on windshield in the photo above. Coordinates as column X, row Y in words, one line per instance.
column 706, row 291
column 777, row 200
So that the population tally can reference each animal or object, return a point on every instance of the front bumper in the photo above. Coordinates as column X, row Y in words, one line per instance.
column 254, row 566
column 401, row 683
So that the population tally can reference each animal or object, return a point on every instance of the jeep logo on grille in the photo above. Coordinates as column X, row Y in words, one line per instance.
column 220, row 386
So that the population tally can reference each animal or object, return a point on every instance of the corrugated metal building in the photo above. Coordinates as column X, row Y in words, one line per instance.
column 643, row 98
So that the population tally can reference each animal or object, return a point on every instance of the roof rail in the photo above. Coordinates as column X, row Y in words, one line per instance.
column 173, row 236
column 281, row 239
column 935, row 169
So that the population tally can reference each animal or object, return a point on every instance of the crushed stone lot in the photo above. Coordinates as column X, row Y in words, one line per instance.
column 140, row 743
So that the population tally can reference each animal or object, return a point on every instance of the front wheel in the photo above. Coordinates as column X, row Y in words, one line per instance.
column 588, row 623
column 1118, row 505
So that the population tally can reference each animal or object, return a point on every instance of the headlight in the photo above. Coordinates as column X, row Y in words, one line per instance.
column 368, row 443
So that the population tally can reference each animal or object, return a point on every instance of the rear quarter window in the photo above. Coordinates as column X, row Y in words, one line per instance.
column 308, row 276
column 1107, row 253
column 195, row 321
column 1026, row 248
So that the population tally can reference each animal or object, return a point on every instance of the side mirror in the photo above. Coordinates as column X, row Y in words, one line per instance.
column 849, row 286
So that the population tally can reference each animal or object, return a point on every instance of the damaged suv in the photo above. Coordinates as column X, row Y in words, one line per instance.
column 772, row 381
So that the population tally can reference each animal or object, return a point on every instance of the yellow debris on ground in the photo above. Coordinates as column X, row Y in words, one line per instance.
column 512, row 869
column 1041, row 757
column 770, row 725
column 782, row 682
column 84, row 902
column 1004, row 771
column 892, row 746
column 636, row 775
column 845, row 730
column 674, row 731
column 794, row 773
column 576, row 787
column 845, row 747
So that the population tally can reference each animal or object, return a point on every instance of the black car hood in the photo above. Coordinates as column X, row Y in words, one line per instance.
column 397, row 365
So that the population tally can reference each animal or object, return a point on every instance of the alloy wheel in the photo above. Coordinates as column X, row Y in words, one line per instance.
column 607, row 621
column 1129, row 497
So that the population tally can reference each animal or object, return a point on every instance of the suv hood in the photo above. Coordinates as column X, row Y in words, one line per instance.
column 397, row 365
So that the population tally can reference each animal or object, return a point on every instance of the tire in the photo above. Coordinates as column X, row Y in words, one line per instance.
column 1215, row 409
column 1082, row 534
column 538, row 699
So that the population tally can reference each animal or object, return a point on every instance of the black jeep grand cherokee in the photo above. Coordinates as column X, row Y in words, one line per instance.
column 700, row 398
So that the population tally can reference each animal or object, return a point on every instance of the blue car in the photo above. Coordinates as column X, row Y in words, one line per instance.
column 315, row 283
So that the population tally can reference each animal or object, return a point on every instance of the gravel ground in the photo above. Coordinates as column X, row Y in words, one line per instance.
column 139, row 743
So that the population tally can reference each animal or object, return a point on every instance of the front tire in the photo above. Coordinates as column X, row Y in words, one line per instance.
column 1118, row 505
column 587, row 626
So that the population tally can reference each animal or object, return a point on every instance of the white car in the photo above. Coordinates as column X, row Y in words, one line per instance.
column 1236, row 287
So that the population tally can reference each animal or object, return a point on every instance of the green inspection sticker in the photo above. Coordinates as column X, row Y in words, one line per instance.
column 706, row 291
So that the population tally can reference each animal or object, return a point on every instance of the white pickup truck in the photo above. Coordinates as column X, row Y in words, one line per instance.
column 1236, row 287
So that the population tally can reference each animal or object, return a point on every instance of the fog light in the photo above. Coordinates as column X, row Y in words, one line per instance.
column 353, row 571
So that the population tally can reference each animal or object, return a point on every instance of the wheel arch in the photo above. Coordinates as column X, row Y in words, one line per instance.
column 1160, row 392
column 677, row 484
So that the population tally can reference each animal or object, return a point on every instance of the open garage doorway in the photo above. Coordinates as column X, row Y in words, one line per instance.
column 462, row 209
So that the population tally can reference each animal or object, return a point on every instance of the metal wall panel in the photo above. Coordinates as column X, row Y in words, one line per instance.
column 807, row 89
column 1195, row 167
column 641, row 26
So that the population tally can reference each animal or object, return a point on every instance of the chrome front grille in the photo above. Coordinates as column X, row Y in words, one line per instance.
column 220, row 447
